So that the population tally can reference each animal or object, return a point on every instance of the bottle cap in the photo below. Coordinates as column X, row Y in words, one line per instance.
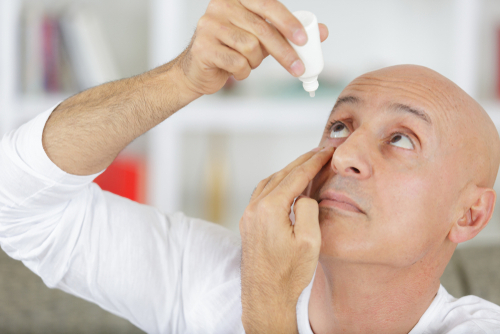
column 310, row 85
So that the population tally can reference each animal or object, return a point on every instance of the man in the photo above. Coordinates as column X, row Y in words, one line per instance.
column 403, row 173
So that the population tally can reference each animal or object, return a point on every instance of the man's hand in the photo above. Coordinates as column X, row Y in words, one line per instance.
column 233, row 37
column 86, row 132
column 278, row 258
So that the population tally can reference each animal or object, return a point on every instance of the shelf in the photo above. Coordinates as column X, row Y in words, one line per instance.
column 252, row 115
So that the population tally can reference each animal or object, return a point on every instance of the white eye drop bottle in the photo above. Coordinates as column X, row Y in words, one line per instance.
column 310, row 53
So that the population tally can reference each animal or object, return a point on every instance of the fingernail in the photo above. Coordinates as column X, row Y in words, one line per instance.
column 297, row 68
column 299, row 37
column 316, row 149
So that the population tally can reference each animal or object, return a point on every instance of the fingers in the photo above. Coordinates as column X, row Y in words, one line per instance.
column 281, row 18
column 323, row 35
column 323, row 32
column 270, row 38
column 231, row 61
column 298, row 179
column 268, row 184
column 306, row 225
column 238, row 39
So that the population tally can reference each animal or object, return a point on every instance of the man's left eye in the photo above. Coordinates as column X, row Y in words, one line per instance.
column 339, row 130
column 402, row 141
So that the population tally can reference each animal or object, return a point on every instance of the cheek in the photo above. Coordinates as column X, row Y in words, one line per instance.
column 414, row 215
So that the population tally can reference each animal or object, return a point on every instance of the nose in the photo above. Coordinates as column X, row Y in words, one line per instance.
column 352, row 157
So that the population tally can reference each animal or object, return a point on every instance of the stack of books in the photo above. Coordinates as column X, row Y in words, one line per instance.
column 64, row 52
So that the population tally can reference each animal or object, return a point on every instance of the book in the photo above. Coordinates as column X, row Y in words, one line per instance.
column 89, row 52
column 64, row 52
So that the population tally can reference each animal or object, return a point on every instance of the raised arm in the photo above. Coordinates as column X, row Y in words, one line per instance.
column 128, row 258
column 87, row 131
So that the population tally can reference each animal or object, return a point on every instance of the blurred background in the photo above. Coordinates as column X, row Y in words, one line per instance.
column 207, row 159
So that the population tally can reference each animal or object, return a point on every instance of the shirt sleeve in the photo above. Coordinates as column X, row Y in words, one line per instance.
column 123, row 256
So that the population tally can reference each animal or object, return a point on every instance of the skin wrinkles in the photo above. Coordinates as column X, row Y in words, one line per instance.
column 419, row 203
column 404, row 108
column 419, row 90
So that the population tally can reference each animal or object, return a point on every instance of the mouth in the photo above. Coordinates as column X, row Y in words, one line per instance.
column 331, row 198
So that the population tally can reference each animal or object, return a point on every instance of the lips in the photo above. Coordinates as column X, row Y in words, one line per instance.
column 341, row 201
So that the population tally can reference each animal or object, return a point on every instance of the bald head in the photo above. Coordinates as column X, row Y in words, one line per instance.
column 466, row 130
column 417, row 158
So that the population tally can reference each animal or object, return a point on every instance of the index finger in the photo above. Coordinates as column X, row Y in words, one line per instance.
column 269, row 37
column 274, row 11
column 296, row 181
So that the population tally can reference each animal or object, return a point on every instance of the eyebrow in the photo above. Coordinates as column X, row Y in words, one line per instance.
column 404, row 108
column 398, row 107
column 349, row 99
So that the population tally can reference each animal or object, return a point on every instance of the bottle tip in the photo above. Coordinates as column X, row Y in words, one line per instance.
column 312, row 94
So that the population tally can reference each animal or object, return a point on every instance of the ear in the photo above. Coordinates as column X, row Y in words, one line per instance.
column 475, row 218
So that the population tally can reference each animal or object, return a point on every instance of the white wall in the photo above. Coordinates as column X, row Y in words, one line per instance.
column 367, row 34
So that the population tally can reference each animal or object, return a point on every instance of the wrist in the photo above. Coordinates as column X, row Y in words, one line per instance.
column 165, row 90
column 184, row 87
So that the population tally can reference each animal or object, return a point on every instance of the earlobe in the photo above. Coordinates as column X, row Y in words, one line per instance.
column 475, row 218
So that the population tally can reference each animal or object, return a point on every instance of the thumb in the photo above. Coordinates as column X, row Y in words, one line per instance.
column 306, row 226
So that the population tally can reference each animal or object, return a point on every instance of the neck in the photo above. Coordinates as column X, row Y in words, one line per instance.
column 368, row 298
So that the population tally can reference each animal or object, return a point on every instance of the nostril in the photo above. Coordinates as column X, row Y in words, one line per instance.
column 355, row 170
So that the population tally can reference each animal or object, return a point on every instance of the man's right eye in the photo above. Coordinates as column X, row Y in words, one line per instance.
column 339, row 130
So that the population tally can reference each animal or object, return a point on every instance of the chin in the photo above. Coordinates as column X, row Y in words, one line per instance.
column 347, row 237
column 343, row 234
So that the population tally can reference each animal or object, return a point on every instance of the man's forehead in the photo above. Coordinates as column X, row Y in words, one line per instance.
column 349, row 98
column 416, row 86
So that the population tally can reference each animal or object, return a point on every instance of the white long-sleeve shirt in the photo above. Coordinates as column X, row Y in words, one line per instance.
column 164, row 273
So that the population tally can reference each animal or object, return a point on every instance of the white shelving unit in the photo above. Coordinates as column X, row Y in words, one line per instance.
column 210, row 113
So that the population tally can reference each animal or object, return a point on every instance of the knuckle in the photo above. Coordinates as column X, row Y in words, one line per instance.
column 271, row 180
column 263, row 29
column 213, row 6
column 264, row 206
column 247, row 49
column 299, row 170
column 227, row 59
column 204, row 22
column 239, row 38
column 252, row 45
column 242, row 75
column 305, row 243
column 241, row 63
column 262, row 183
column 281, row 175
column 265, row 4
column 198, row 45
column 308, row 243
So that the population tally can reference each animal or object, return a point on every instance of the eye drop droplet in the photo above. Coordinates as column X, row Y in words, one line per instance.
column 312, row 94
column 310, row 53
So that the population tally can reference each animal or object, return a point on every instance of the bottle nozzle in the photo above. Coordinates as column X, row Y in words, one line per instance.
column 310, row 85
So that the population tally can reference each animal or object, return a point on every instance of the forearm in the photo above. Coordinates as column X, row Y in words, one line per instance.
column 86, row 132
column 268, row 315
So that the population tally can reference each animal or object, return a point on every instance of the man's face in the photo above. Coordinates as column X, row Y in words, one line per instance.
column 395, row 161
